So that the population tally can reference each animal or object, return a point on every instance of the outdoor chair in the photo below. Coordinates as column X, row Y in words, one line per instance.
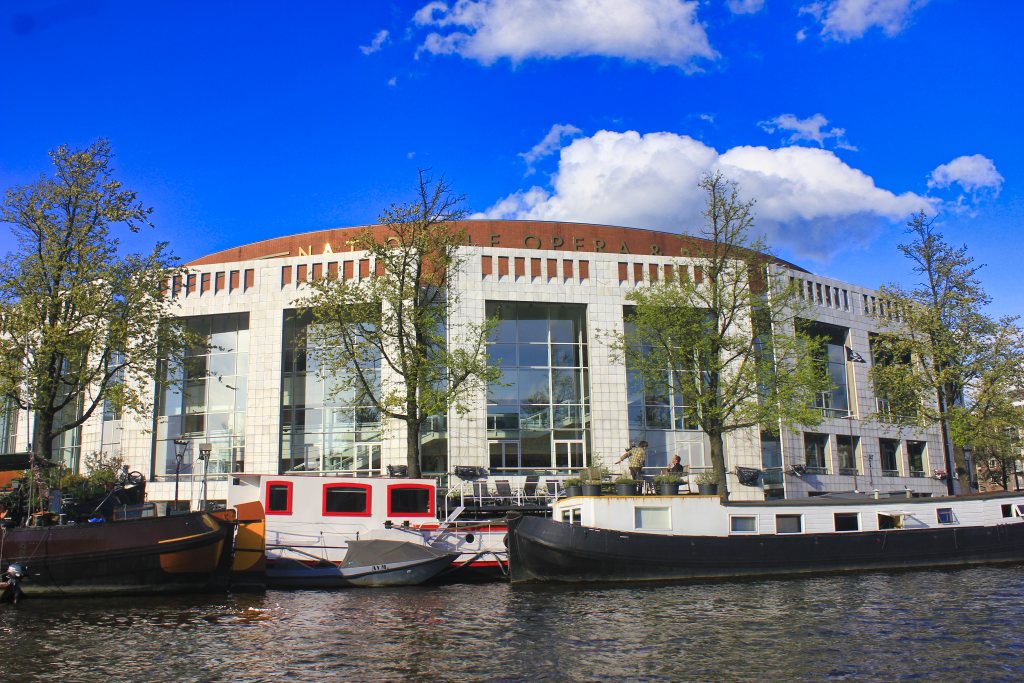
column 504, row 491
column 530, row 488
column 553, row 489
column 481, row 494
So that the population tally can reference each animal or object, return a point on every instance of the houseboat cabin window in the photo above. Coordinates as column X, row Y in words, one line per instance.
column 1020, row 510
column 789, row 524
column 945, row 516
column 847, row 521
column 411, row 500
column 572, row 516
column 743, row 524
column 892, row 520
column 346, row 500
column 1007, row 510
column 652, row 518
column 279, row 498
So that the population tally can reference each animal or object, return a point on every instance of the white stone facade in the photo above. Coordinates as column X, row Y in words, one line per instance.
column 265, row 287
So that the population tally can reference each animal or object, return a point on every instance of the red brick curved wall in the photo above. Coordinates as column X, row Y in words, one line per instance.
column 500, row 234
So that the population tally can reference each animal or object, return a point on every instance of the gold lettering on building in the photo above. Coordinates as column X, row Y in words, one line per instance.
column 556, row 242
column 623, row 249
column 599, row 246
column 532, row 242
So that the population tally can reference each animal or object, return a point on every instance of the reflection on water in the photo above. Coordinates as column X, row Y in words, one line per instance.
column 931, row 625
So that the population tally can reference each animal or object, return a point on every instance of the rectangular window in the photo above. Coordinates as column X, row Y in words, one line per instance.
column 945, row 516
column 1007, row 510
column 279, row 497
column 847, row 521
column 889, row 455
column 891, row 520
column 346, row 500
column 652, row 518
column 916, row 458
column 410, row 500
column 789, row 524
column 742, row 524
column 572, row 516
column 816, row 452
column 846, row 447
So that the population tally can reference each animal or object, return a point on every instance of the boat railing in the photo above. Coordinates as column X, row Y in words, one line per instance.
column 141, row 511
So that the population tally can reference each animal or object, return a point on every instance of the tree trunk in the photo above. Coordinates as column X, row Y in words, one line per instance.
column 412, row 446
column 963, row 473
column 42, row 439
column 718, row 463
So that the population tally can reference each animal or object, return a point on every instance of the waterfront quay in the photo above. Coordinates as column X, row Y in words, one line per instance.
column 922, row 625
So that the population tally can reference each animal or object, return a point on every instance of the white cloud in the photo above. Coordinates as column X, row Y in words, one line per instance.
column 808, row 199
column 745, row 6
column 393, row 81
column 663, row 32
column 811, row 128
column 975, row 174
column 375, row 44
column 845, row 20
column 551, row 142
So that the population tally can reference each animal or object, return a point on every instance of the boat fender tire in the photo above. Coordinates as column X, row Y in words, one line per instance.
column 504, row 540
column 470, row 538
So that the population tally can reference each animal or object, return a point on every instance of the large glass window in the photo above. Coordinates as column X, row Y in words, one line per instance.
column 816, row 452
column 8, row 425
column 538, row 416
column 659, row 413
column 322, row 428
column 835, row 401
column 203, row 399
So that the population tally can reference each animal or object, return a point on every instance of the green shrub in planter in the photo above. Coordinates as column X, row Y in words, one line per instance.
column 625, row 486
column 667, row 483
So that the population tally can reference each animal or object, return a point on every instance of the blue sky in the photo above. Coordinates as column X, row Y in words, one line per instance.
column 244, row 121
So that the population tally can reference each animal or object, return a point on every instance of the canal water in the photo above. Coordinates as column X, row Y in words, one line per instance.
column 964, row 625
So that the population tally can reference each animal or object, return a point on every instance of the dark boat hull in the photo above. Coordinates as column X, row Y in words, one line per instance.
column 152, row 555
column 546, row 550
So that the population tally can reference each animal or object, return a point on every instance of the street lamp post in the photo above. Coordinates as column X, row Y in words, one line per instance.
column 180, row 446
column 205, row 450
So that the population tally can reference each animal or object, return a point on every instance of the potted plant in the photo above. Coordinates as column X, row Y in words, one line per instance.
column 707, row 483
column 573, row 487
column 593, row 477
column 667, row 483
column 625, row 486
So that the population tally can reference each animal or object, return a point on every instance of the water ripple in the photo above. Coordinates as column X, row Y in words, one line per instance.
column 913, row 626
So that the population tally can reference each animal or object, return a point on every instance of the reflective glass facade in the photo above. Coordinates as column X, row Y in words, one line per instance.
column 203, row 399
column 538, row 416
column 323, row 428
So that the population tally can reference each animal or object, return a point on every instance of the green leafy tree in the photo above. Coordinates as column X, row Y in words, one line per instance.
column 726, row 339
column 79, row 322
column 949, row 362
column 389, row 338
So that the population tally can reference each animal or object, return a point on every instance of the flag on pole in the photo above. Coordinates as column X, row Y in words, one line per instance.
column 853, row 356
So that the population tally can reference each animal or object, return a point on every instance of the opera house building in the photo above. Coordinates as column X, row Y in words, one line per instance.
column 565, row 400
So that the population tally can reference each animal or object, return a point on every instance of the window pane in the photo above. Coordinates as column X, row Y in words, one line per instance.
column 788, row 524
column 652, row 518
column 744, row 524
column 410, row 501
column 277, row 498
column 340, row 499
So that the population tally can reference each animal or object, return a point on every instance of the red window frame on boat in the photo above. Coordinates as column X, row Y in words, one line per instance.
column 429, row 488
column 366, row 488
column 288, row 487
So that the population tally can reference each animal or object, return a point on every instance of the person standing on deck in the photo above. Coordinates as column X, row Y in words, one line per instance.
column 637, row 457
